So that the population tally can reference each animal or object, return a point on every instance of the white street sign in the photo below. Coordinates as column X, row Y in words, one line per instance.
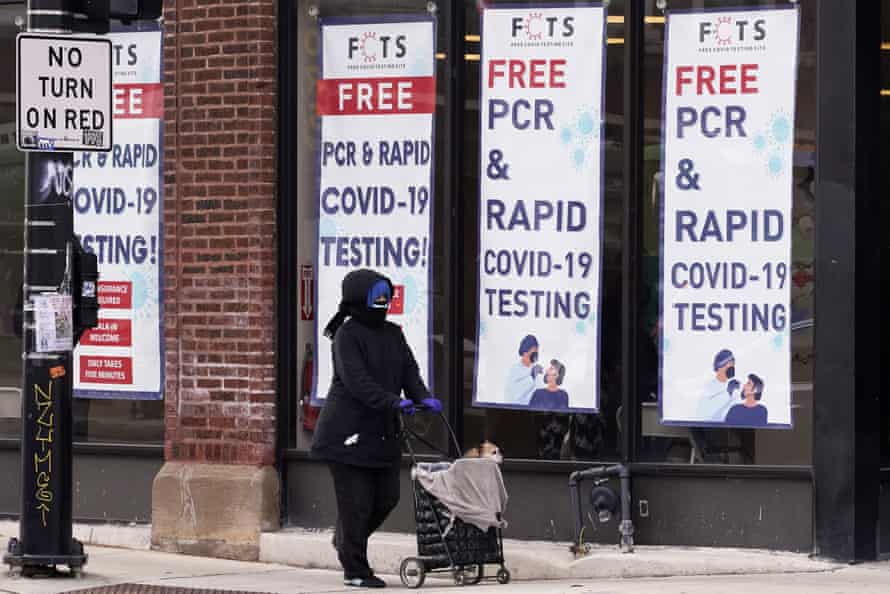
column 63, row 94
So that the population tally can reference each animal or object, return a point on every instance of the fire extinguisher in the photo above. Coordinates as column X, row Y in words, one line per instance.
column 310, row 412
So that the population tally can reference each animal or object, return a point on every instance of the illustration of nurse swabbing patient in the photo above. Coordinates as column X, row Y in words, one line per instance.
column 522, row 378
column 750, row 413
column 717, row 396
column 551, row 397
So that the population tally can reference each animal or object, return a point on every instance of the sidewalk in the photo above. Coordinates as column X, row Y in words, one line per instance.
column 119, row 571
column 526, row 560
column 141, row 571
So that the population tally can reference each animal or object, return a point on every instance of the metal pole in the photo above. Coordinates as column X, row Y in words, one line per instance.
column 457, row 273
column 45, row 522
column 847, row 331
column 630, row 260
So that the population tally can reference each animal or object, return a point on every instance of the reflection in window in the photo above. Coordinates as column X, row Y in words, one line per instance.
column 12, row 191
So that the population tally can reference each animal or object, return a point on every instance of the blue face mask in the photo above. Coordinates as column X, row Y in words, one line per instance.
column 379, row 296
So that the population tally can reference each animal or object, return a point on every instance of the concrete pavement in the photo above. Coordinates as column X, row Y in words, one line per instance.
column 536, row 567
column 180, row 574
column 526, row 560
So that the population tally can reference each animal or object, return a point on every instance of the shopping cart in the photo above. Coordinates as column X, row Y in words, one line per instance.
column 446, row 544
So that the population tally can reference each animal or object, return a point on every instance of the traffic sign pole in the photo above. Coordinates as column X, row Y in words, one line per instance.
column 45, row 523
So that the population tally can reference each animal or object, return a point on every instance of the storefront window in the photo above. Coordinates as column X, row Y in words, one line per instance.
column 12, row 184
column 658, row 443
column 534, row 435
column 524, row 434
column 119, row 421
column 307, row 123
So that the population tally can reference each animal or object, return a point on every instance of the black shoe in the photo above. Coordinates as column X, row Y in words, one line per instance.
column 371, row 581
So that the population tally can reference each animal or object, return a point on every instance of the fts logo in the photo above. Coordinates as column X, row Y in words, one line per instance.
column 535, row 27
column 371, row 47
column 728, row 30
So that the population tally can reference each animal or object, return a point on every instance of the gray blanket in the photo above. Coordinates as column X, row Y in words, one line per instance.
column 472, row 489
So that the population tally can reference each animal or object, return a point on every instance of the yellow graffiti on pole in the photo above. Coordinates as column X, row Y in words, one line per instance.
column 43, row 454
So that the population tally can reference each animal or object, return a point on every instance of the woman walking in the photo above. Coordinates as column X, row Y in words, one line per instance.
column 358, row 430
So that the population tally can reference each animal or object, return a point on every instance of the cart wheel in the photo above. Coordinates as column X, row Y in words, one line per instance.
column 503, row 576
column 412, row 572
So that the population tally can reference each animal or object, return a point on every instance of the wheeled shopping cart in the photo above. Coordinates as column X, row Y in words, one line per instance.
column 446, row 544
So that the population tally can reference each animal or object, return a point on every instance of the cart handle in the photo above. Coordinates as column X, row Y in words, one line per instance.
column 409, row 434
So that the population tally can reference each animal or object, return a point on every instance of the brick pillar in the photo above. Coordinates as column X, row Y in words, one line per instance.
column 218, row 489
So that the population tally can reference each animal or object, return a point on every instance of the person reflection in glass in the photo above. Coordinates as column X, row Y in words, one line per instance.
column 551, row 397
column 749, row 413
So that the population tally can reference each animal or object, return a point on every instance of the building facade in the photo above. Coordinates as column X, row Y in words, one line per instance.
column 227, row 447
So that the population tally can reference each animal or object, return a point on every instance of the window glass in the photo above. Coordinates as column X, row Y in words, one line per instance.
column 731, row 446
column 12, row 192
column 307, row 217
column 94, row 420
column 533, row 435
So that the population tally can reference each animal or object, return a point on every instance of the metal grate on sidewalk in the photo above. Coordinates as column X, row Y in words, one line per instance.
column 150, row 589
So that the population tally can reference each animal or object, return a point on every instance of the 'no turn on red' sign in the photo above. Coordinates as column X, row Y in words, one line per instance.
column 64, row 93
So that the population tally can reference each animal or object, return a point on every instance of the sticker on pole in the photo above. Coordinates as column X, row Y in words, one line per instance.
column 63, row 94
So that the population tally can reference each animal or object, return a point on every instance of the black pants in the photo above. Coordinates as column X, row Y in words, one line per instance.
column 365, row 497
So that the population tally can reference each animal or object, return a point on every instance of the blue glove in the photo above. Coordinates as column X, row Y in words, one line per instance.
column 732, row 386
column 434, row 404
column 405, row 406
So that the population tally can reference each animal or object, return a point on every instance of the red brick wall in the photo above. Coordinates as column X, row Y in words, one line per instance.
column 219, row 224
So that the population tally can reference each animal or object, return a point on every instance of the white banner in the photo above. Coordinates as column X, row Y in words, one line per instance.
column 726, row 232
column 118, row 201
column 540, row 215
column 376, row 100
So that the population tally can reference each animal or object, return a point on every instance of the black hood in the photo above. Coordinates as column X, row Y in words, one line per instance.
column 354, row 302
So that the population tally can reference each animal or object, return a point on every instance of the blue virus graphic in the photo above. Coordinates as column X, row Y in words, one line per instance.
column 481, row 327
column 411, row 296
column 327, row 228
column 580, row 134
column 665, row 345
column 775, row 165
column 781, row 129
column 778, row 341
column 759, row 142
column 578, row 157
column 581, row 327
column 140, row 290
column 586, row 124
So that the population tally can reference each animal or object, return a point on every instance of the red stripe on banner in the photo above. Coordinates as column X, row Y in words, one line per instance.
column 110, row 333
column 138, row 101
column 106, row 370
column 115, row 294
column 375, row 96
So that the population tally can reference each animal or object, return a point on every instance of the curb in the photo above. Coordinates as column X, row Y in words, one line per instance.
column 528, row 560
column 123, row 536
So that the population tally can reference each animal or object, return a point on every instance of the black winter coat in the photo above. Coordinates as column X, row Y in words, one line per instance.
column 359, row 424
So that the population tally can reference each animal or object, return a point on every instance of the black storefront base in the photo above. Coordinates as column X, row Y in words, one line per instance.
column 846, row 445
column 114, row 481
column 672, row 505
